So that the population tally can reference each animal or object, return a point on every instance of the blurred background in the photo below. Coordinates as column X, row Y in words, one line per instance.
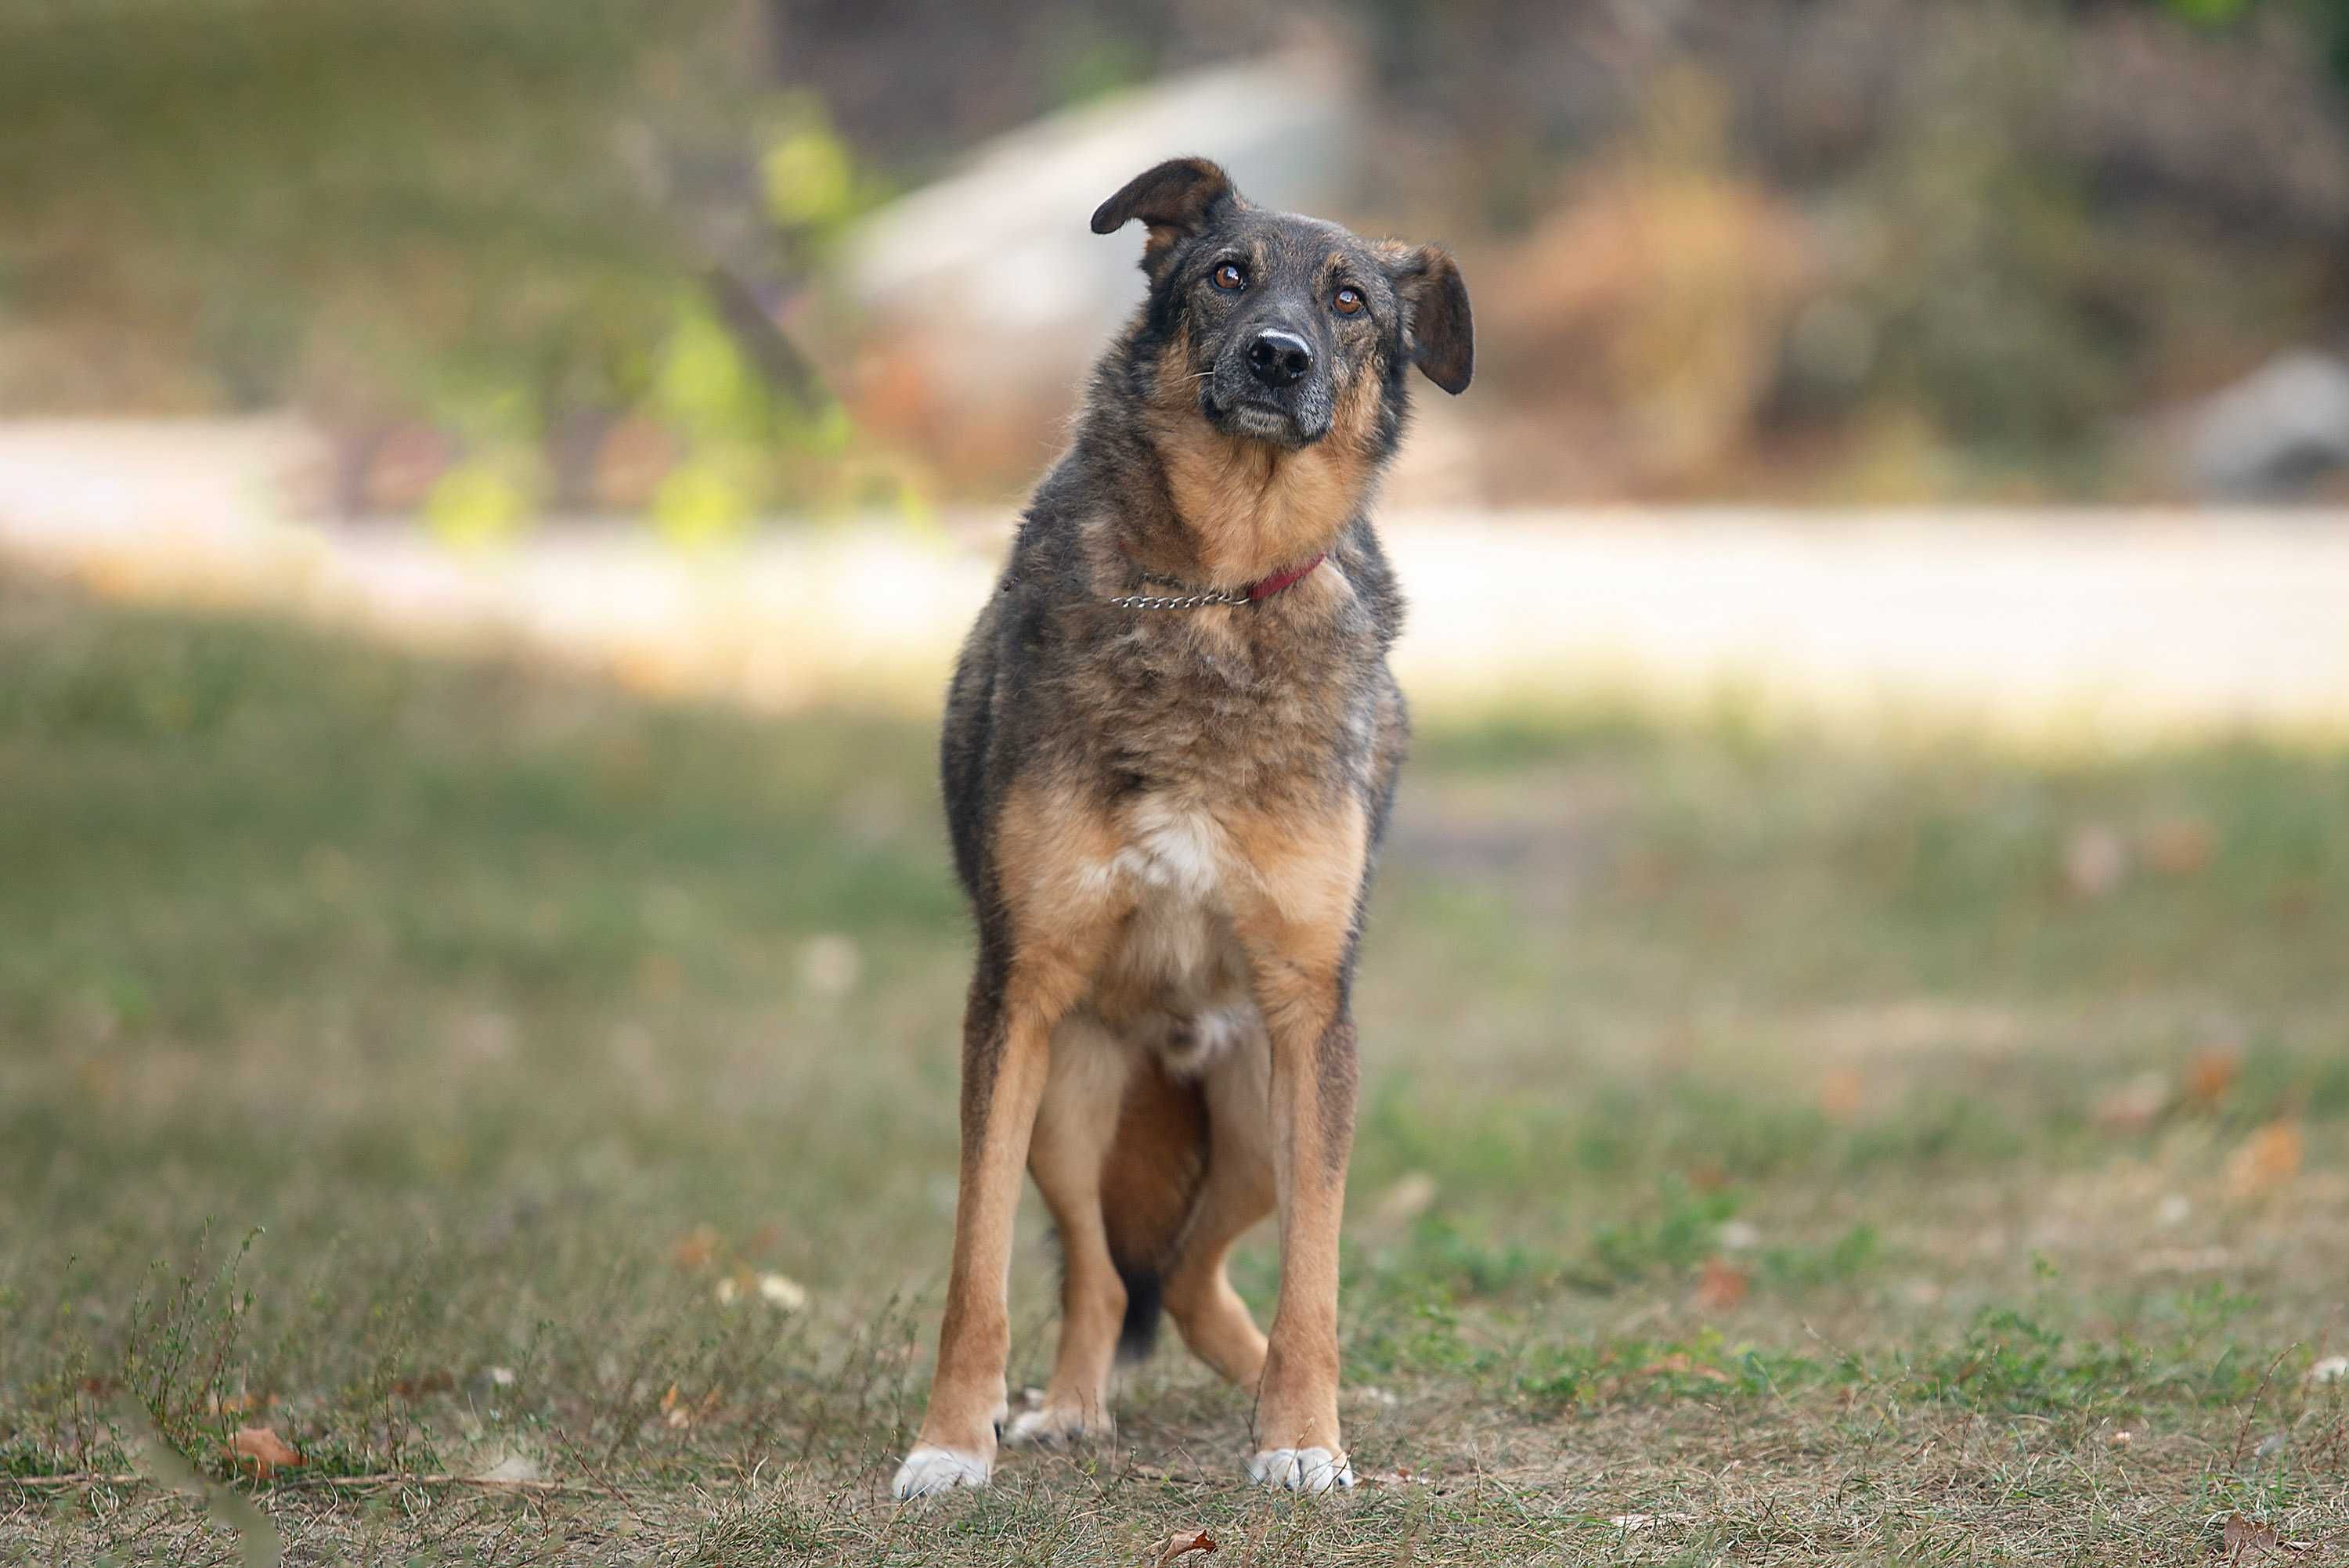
column 699, row 261
column 489, row 490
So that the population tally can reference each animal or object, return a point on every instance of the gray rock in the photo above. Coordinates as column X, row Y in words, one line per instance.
column 2282, row 426
column 1000, row 255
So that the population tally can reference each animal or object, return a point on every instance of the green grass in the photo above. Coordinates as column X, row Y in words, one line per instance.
column 401, row 1054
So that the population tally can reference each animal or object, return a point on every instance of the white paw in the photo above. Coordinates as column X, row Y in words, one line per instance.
column 929, row 1470
column 1049, row 1428
column 1301, row 1469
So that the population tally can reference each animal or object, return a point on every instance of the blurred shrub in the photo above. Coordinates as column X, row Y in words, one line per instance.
column 492, row 218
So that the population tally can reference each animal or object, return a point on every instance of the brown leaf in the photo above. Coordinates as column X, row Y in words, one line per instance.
column 1181, row 1543
column 2241, row 1539
column 1678, row 1361
column 2211, row 1075
column 2179, row 846
column 2268, row 1159
column 1708, row 1176
column 696, row 1248
column 1840, row 1094
column 261, row 1450
column 1722, row 1286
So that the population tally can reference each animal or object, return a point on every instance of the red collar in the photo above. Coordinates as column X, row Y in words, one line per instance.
column 1256, row 592
column 1266, row 587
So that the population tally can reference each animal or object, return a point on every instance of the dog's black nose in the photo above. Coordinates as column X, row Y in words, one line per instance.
column 1278, row 358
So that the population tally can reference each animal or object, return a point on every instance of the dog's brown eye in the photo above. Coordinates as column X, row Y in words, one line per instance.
column 1229, row 276
column 1348, row 301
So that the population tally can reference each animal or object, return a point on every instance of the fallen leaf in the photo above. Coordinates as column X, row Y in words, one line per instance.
column 261, row 1450
column 2241, row 1539
column 696, row 1248
column 1840, row 1094
column 2095, row 860
column 2268, row 1159
column 2211, row 1075
column 1722, row 1286
column 2179, row 846
column 1678, row 1361
column 1182, row 1543
column 1708, row 1176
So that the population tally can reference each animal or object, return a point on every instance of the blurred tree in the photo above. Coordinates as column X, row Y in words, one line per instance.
column 489, row 207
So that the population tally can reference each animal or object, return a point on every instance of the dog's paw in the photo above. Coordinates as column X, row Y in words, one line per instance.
column 1301, row 1469
column 929, row 1470
column 1052, row 1428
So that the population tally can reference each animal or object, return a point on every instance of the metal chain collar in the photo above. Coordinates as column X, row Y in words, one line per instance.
column 1182, row 601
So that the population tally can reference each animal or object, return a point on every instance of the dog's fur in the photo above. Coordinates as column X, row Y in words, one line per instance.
column 1165, row 822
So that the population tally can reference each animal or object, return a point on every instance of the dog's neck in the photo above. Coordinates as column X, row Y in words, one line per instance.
column 1238, row 511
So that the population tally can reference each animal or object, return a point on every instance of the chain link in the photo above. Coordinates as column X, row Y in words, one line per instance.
column 1186, row 602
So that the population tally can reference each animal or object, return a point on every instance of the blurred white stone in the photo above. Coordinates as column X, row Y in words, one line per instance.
column 997, row 263
column 2095, row 860
column 830, row 964
column 2272, row 431
column 515, row 1468
column 1411, row 1195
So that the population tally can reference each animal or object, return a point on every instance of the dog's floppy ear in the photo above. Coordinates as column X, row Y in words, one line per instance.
column 1442, row 337
column 1177, row 198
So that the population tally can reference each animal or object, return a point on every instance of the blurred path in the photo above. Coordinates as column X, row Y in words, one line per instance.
column 2056, row 627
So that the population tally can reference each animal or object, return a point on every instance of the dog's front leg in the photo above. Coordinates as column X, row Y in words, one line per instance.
column 1298, row 941
column 1038, row 954
column 1007, row 1055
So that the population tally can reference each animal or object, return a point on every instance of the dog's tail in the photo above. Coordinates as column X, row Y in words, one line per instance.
column 1150, row 1183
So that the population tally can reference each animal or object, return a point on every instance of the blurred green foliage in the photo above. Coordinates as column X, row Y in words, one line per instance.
column 1917, row 251
column 495, row 214
column 436, row 175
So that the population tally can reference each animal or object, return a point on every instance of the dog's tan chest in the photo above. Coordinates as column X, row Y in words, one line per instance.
column 1174, row 981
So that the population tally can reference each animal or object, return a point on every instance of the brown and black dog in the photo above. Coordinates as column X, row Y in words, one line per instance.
column 1170, row 745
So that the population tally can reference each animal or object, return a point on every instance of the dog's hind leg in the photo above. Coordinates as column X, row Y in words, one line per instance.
column 1074, row 1126
column 1237, row 1194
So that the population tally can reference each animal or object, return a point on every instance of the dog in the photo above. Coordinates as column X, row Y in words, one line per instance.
column 1170, row 745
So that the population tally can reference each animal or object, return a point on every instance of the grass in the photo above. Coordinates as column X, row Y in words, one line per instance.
column 1771, row 1151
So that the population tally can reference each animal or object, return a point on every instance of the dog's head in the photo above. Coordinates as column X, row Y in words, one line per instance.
column 1281, row 329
